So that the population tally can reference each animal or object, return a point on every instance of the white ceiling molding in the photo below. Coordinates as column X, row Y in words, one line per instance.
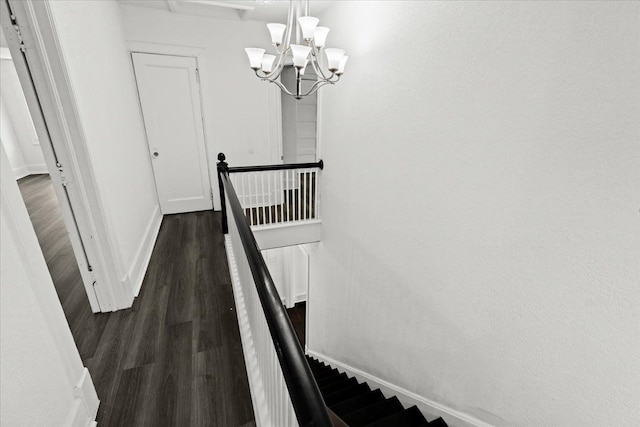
column 214, row 9
column 234, row 10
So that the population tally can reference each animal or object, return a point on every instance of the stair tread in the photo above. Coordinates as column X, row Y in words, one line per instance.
column 357, row 402
column 438, row 422
column 411, row 417
column 373, row 412
column 337, row 386
column 326, row 374
column 331, row 379
column 346, row 393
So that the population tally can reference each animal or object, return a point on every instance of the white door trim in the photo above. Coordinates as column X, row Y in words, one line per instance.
column 147, row 65
column 212, row 148
column 86, row 402
column 62, row 134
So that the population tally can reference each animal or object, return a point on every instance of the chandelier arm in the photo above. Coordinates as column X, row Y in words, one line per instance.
column 281, row 86
column 318, row 69
column 317, row 85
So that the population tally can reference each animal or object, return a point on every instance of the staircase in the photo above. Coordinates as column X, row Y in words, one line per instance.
column 357, row 405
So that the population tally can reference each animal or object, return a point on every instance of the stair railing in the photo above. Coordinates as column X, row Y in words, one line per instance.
column 297, row 398
column 276, row 195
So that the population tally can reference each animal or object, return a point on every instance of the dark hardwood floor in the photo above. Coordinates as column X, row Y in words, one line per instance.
column 46, row 217
column 175, row 358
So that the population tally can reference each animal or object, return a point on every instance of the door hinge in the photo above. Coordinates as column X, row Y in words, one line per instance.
column 63, row 178
column 16, row 27
column 197, row 75
column 211, row 193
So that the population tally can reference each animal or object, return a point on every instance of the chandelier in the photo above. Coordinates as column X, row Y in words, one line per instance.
column 308, row 49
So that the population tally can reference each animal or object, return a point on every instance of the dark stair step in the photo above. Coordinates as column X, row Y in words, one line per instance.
column 326, row 374
column 438, row 422
column 329, row 380
column 337, row 386
column 358, row 402
column 374, row 412
column 346, row 394
column 411, row 417
column 319, row 367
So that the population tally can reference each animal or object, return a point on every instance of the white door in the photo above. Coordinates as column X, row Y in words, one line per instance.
column 170, row 98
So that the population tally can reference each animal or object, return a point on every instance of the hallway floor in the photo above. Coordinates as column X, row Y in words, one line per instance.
column 46, row 217
column 173, row 359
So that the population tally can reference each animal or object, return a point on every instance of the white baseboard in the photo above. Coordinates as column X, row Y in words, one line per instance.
column 84, row 407
column 143, row 254
column 428, row 407
column 300, row 298
column 21, row 172
column 38, row 169
column 258, row 398
column 86, row 391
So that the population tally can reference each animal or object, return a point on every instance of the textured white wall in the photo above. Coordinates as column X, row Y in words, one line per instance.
column 100, row 69
column 481, row 233
column 236, row 103
column 18, row 118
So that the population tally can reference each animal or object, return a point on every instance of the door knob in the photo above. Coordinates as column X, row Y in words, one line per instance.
column 156, row 154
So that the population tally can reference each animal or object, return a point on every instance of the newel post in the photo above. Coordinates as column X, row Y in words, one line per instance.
column 223, row 168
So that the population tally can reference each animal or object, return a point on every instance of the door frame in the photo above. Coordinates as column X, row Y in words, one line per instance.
column 207, row 125
column 40, row 63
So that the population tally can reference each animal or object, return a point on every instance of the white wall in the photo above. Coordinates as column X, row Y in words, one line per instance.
column 481, row 234
column 238, row 107
column 289, row 269
column 101, row 73
column 39, row 363
column 11, row 145
column 17, row 119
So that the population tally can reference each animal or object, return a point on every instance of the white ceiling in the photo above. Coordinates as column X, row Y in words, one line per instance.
column 230, row 9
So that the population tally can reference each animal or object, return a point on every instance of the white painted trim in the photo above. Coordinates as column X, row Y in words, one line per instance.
column 55, row 102
column 258, row 398
column 208, row 120
column 295, row 233
column 85, row 392
column 5, row 53
column 300, row 298
column 42, row 287
column 38, row 169
column 430, row 408
column 143, row 254
column 21, row 172
column 76, row 415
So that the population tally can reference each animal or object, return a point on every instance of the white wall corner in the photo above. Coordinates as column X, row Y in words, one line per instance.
column 38, row 169
column 140, row 263
column 21, row 172
column 84, row 408
column 86, row 392
column 300, row 298
column 429, row 408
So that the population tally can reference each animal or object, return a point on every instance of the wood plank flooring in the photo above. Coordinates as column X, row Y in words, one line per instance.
column 46, row 217
column 175, row 358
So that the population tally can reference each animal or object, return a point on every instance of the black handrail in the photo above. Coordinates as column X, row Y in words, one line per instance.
column 305, row 395
column 262, row 168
